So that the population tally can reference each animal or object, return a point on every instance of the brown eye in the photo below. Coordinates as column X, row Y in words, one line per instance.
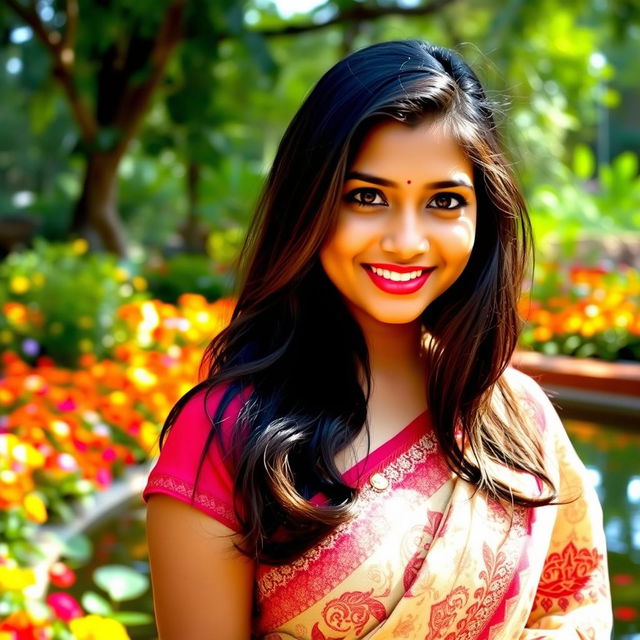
column 366, row 198
column 447, row 201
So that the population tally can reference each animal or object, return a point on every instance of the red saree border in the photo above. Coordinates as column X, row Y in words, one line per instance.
column 379, row 457
column 286, row 591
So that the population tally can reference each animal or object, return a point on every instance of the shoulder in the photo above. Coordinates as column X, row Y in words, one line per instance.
column 193, row 465
column 531, row 399
column 192, row 418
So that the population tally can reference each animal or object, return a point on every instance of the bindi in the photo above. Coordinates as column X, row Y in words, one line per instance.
column 408, row 181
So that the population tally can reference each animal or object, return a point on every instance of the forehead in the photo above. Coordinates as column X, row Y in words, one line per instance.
column 395, row 150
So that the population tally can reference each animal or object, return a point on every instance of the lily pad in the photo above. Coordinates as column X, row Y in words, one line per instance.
column 94, row 603
column 120, row 582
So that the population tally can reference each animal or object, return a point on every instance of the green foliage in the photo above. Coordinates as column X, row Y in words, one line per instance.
column 186, row 273
column 577, row 201
column 61, row 302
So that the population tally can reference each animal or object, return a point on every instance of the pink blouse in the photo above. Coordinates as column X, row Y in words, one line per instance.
column 174, row 473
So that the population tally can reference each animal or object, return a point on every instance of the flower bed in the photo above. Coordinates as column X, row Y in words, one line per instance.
column 584, row 312
column 65, row 434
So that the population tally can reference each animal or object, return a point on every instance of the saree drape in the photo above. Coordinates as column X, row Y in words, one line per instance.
column 426, row 555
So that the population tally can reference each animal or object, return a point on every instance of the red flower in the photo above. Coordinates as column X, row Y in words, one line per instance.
column 622, row 579
column 627, row 614
column 61, row 575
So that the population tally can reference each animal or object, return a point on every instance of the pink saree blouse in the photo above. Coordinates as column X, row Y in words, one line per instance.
column 426, row 556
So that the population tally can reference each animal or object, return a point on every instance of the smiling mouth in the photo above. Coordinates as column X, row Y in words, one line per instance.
column 397, row 276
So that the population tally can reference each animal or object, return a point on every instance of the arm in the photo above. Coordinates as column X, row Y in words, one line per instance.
column 202, row 586
column 572, row 599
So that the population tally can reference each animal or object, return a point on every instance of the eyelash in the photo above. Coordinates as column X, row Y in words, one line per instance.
column 350, row 197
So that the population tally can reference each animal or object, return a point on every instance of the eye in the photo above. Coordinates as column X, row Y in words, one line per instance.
column 447, row 201
column 367, row 197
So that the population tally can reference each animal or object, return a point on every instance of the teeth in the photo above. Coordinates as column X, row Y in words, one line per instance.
column 395, row 276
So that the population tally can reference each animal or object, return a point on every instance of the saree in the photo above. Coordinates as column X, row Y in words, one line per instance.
column 426, row 554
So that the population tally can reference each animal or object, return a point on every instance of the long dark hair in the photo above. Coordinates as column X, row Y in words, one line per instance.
column 293, row 343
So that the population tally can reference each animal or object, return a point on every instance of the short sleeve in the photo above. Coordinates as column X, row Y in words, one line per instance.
column 174, row 473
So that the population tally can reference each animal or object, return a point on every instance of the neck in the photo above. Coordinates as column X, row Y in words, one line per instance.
column 394, row 349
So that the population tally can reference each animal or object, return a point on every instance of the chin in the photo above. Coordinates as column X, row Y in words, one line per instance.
column 396, row 318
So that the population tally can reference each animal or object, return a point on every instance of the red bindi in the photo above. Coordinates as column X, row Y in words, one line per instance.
column 408, row 181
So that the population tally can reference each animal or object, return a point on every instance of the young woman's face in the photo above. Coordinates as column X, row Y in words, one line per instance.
column 406, row 223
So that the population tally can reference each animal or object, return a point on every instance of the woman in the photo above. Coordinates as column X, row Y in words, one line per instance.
column 360, row 461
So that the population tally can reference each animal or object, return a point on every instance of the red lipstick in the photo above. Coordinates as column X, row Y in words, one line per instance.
column 397, row 267
column 398, row 286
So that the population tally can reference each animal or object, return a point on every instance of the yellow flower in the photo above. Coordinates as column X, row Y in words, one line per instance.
column 139, row 283
column 122, row 275
column 85, row 345
column 85, row 322
column 80, row 246
column 93, row 627
column 35, row 508
column 141, row 377
column 15, row 579
column 19, row 284
column 149, row 438
column 118, row 398
column 27, row 454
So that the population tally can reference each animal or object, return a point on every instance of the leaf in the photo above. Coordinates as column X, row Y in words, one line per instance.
column 95, row 603
column 583, row 162
column 120, row 582
column 132, row 618
column 626, row 165
column 77, row 548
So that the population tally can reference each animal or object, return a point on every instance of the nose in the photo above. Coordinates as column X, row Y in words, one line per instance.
column 407, row 235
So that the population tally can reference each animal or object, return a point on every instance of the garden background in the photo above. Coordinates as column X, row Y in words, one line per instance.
column 134, row 137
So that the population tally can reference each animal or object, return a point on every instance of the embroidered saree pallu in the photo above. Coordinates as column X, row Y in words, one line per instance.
column 428, row 557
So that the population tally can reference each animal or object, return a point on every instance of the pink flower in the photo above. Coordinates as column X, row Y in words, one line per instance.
column 103, row 477
column 64, row 606
column 67, row 405
column 109, row 454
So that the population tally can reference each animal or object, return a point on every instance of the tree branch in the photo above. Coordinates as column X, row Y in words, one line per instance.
column 357, row 13
column 137, row 97
column 71, row 31
column 62, row 54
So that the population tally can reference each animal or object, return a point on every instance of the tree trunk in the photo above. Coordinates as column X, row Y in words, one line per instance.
column 193, row 231
column 96, row 214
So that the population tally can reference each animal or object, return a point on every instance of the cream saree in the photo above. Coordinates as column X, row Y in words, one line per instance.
column 427, row 557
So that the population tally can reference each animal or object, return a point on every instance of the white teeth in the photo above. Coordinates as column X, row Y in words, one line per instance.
column 395, row 275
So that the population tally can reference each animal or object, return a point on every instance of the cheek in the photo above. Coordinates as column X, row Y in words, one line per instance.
column 457, row 240
column 346, row 243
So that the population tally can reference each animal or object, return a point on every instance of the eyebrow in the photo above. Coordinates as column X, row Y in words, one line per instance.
column 441, row 184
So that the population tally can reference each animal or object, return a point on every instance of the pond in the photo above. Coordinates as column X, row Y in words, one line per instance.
column 610, row 452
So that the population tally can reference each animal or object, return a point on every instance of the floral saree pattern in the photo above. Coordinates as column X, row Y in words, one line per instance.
column 427, row 556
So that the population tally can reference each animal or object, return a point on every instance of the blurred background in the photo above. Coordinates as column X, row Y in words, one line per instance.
column 134, row 138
